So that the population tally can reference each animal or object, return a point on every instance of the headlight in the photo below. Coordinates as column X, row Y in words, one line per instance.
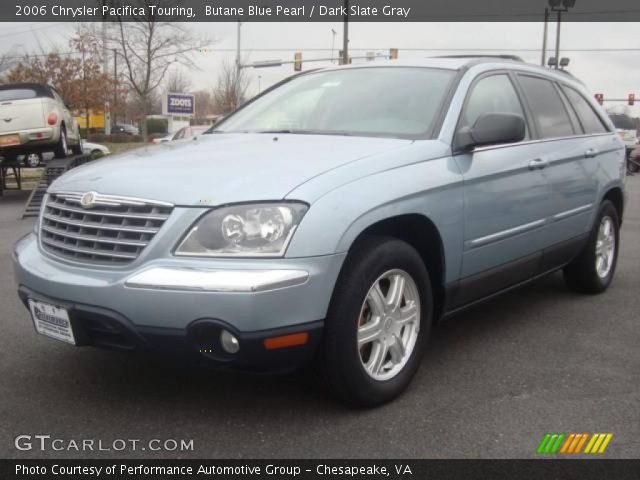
column 263, row 229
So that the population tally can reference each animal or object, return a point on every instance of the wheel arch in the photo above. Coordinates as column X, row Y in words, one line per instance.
column 422, row 234
column 616, row 196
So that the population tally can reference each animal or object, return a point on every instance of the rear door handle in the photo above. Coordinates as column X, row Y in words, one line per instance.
column 591, row 153
column 538, row 164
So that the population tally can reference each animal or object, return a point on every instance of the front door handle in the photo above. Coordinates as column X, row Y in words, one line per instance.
column 591, row 153
column 538, row 164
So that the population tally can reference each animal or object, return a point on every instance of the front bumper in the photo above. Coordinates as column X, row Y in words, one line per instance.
column 146, row 307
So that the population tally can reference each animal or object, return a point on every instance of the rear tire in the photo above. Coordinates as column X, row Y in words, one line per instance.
column 368, row 357
column 61, row 149
column 593, row 269
column 33, row 160
column 77, row 149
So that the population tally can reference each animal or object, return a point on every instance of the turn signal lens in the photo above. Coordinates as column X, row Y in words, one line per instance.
column 286, row 341
column 52, row 119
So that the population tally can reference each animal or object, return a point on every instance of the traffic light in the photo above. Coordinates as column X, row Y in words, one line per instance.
column 632, row 98
column 393, row 53
column 600, row 98
column 297, row 61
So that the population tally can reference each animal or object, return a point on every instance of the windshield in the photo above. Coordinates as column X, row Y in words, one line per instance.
column 623, row 122
column 394, row 102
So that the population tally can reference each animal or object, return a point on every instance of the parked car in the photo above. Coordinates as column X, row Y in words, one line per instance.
column 34, row 119
column 184, row 133
column 627, row 130
column 634, row 160
column 124, row 128
column 94, row 150
column 336, row 217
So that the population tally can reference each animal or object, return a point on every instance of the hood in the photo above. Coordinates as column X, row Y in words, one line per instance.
column 222, row 168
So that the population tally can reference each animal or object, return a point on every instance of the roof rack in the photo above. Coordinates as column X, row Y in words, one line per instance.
column 515, row 58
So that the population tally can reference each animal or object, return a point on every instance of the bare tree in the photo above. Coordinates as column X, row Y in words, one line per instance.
column 231, row 88
column 178, row 82
column 7, row 62
column 149, row 46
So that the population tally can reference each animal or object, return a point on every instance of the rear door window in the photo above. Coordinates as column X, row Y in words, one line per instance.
column 588, row 117
column 547, row 107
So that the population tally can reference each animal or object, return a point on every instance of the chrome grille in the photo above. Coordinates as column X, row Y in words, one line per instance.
column 107, row 229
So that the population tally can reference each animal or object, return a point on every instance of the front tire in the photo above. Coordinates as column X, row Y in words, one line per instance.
column 378, row 322
column 593, row 269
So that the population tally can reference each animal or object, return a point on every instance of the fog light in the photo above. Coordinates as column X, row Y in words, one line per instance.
column 229, row 342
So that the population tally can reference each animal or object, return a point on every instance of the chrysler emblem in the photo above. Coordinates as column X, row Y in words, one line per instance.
column 88, row 200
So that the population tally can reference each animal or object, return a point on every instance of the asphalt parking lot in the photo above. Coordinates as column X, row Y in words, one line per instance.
column 496, row 379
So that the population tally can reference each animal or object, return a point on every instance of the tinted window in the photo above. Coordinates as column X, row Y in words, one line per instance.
column 494, row 94
column 623, row 122
column 588, row 117
column 547, row 107
column 395, row 101
column 17, row 94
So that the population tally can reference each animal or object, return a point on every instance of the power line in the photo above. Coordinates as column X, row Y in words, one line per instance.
column 406, row 49
column 33, row 29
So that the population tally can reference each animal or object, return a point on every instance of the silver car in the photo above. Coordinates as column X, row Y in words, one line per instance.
column 35, row 119
column 334, row 219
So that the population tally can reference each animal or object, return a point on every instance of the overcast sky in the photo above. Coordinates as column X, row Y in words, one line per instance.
column 614, row 73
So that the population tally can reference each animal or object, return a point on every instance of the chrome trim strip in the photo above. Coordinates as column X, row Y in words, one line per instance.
column 573, row 211
column 87, row 211
column 111, row 200
column 87, row 238
column 87, row 251
column 100, row 226
column 545, row 140
column 494, row 237
column 205, row 280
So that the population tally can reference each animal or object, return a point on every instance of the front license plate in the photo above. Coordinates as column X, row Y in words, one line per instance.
column 52, row 321
column 7, row 140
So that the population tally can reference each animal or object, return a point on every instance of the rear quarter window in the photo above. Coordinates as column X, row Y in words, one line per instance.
column 17, row 94
column 591, row 122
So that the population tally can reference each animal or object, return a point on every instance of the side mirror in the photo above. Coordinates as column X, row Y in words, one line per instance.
column 491, row 129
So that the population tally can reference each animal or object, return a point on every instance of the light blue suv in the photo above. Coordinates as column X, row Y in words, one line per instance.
column 334, row 218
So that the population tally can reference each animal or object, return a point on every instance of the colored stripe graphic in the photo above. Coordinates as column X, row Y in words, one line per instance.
column 551, row 442
column 598, row 443
column 572, row 443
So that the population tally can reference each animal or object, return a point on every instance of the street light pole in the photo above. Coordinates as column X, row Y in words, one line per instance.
column 544, row 37
column 559, row 6
column 559, row 21
column 345, row 35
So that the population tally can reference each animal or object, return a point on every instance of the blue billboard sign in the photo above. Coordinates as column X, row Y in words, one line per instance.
column 179, row 104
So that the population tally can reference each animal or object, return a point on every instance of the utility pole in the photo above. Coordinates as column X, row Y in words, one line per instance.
column 333, row 42
column 345, row 35
column 558, row 39
column 115, row 82
column 105, row 71
column 238, row 67
column 544, row 37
